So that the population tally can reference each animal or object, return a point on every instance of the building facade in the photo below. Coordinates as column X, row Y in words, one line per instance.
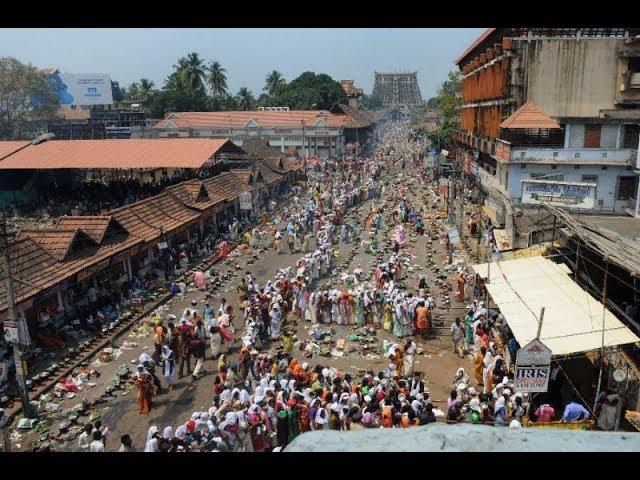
column 397, row 89
column 541, row 119
column 296, row 133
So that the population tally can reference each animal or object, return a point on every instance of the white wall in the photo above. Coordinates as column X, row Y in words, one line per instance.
column 606, row 183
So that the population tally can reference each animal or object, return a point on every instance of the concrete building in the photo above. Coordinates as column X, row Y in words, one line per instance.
column 548, row 116
column 296, row 133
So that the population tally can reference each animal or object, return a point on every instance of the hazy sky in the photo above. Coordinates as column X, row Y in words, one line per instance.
column 247, row 54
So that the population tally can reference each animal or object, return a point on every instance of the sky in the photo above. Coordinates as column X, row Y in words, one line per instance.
column 247, row 54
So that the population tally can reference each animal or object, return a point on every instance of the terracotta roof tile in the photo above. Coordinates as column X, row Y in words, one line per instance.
column 477, row 42
column 265, row 119
column 116, row 153
column 529, row 116
column 10, row 146
column 97, row 227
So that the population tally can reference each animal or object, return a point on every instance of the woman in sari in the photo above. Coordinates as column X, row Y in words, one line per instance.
column 388, row 317
column 144, row 383
column 478, row 365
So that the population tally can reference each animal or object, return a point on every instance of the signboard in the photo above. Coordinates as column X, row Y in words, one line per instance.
column 82, row 88
column 575, row 195
column 93, row 270
column 454, row 236
column 11, row 332
column 163, row 245
column 533, row 366
column 246, row 201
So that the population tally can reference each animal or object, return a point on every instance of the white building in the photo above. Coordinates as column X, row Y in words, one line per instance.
column 296, row 133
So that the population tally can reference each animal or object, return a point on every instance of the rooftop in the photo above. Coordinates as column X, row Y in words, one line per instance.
column 529, row 116
column 257, row 119
column 115, row 154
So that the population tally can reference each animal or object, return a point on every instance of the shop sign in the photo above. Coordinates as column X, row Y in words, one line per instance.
column 220, row 131
column 576, row 195
column 246, row 201
column 89, row 272
column 283, row 131
column 533, row 367
column 162, row 245
column 11, row 332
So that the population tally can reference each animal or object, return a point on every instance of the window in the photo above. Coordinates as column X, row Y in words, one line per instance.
column 577, row 167
column 592, row 136
column 631, row 133
column 603, row 167
column 590, row 178
column 627, row 188
column 554, row 167
column 523, row 165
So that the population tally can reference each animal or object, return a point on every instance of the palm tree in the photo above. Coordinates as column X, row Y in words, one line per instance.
column 245, row 99
column 145, row 89
column 272, row 81
column 190, row 70
column 217, row 79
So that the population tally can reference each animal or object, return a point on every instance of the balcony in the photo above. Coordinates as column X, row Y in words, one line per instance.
column 584, row 156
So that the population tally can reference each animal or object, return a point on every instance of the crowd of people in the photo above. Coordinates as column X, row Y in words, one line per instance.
column 264, row 400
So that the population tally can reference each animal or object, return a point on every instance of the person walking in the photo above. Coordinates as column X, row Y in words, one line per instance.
column 457, row 336
column 184, row 351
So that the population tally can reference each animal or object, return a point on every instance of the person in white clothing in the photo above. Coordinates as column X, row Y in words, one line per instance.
column 96, row 445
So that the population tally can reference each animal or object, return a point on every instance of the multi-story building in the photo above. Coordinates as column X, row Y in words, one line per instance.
column 548, row 116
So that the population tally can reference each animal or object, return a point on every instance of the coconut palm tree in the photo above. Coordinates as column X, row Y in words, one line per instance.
column 245, row 99
column 217, row 79
column 145, row 90
column 191, row 71
column 272, row 81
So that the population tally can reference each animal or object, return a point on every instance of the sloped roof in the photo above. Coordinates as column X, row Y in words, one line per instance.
column 56, row 242
column 472, row 47
column 260, row 148
column 94, row 226
column 529, row 116
column 115, row 154
column 238, row 119
column 10, row 146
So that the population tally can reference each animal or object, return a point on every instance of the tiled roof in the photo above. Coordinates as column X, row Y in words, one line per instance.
column 194, row 194
column 355, row 118
column 268, row 174
column 528, row 116
column 265, row 119
column 116, row 153
column 57, row 242
column 260, row 148
column 471, row 47
column 149, row 218
column 9, row 146
column 94, row 226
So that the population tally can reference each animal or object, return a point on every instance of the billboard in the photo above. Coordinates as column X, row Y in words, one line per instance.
column 533, row 364
column 82, row 88
column 575, row 195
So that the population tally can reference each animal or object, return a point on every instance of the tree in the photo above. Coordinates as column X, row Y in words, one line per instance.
column 245, row 99
column 309, row 91
column 433, row 102
column 190, row 72
column 27, row 98
column 449, row 103
column 217, row 79
column 370, row 102
column 141, row 91
column 273, row 80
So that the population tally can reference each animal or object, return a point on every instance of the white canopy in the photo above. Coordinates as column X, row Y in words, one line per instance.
column 572, row 318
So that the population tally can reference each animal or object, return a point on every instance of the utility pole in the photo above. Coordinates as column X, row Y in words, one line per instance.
column 461, row 205
column 27, row 411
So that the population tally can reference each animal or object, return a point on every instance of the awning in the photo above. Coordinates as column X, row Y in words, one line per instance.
column 572, row 319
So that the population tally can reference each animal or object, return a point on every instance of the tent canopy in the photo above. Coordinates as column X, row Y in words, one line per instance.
column 573, row 318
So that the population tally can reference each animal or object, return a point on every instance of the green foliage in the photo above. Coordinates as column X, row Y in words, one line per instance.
column 273, row 81
column 245, row 99
column 309, row 91
column 217, row 79
column 433, row 102
column 27, row 100
column 449, row 102
column 370, row 102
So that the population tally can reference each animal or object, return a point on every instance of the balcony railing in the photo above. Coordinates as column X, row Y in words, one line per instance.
column 599, row 156
column 534, row 138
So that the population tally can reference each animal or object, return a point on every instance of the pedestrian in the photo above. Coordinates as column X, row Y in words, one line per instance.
column 96, row 445
column 457, row 337
column 144, row 384
column 460, row 282
column 184, row 351
column 126, row 445
column 215, row 341
column 169, row 358
column 84, row 439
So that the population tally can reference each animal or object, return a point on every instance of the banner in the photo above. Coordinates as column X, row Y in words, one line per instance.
column 575, row 195
column 82, row 88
